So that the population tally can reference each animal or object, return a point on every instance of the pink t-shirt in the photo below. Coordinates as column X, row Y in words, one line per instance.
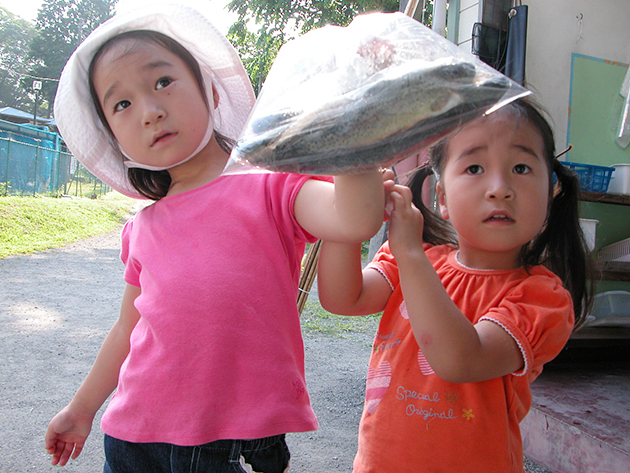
column 218, row 351
column 415, row 422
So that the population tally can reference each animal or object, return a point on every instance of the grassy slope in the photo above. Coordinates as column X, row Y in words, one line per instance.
column 29, row 224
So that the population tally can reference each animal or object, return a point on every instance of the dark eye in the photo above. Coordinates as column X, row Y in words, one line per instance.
column 163, row 82
column 474, row 169
column 123, row 104
column 522, row 169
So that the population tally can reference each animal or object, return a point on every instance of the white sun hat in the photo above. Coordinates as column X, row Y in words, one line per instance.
column 75, row 114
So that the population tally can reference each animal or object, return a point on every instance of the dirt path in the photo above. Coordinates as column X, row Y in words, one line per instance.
column 56, row 308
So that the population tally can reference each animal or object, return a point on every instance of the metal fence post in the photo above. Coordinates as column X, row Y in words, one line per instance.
column 6, row 184
column 36, row 163
column 53, row 176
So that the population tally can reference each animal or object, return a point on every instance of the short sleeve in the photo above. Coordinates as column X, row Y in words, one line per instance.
column 538, row 314
column 385, row 263
column 284, row 189
column 132, row 267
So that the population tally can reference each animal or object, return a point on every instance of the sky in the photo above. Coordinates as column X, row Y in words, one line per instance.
column 27, row 9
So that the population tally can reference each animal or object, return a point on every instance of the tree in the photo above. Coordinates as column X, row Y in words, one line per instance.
column 281, row 20
column 15, row 36
column 62, row 26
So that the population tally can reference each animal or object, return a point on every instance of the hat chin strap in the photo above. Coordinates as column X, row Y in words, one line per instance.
column 130, row 163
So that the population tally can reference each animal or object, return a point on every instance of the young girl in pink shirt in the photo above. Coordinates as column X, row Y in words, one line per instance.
column 472, row 311
column 206, row 358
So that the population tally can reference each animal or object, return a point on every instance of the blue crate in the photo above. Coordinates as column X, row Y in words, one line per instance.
column 592, row 178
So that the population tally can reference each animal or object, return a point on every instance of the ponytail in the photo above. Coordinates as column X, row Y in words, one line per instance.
column 436, row 231
column 561, row 246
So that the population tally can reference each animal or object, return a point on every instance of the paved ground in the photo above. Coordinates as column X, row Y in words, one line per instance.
column 55, row 310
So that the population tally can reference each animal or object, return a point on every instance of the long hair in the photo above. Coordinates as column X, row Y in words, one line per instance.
column 560, row 246
column 151, row 184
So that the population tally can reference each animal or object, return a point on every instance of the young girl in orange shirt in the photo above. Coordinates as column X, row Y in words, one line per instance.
column 470, row 317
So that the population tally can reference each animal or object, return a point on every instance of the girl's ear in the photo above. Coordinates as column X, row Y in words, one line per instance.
column 441, row 200
column 215, row 96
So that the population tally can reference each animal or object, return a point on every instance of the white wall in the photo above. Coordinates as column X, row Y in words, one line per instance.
column 554, row 32
column 469, row 14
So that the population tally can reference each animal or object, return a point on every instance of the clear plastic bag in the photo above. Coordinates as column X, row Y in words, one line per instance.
column 347, row 99
column 623, row 129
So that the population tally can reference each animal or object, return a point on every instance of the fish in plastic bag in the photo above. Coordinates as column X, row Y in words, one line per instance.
column 344, row 100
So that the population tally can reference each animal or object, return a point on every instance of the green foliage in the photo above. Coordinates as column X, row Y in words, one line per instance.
column 250, row 48
column 29, row 224
column 278, row 21
column 62, row 26
column 28, row 51
column 303, row 16
column 15, row 37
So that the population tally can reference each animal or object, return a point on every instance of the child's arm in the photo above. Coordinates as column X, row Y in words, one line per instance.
column 349, row 211
column 457, row 350
column 69, row 429
column 341, row 285
column 358, row 201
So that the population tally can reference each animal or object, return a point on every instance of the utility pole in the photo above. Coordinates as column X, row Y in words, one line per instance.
column 37, row 86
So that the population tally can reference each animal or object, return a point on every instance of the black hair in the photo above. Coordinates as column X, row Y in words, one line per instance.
column 560, row 246
column 151, row 184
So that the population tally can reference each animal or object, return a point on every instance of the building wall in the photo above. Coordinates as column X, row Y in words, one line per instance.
column 469, row 13
column 557, row 29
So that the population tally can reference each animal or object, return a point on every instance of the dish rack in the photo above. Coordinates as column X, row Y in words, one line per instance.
column 619, row 251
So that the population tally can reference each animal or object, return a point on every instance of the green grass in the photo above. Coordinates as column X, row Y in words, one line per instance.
column 30, row 224
column 316, row 319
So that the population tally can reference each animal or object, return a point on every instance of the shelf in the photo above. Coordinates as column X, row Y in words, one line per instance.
column 609, row 270
column 601, row 198
column 599, row 333
column 613, row 270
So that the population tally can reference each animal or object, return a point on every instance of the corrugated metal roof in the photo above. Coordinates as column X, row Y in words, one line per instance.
column 15, row 113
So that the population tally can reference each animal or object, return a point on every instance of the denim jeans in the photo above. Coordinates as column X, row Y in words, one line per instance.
column 266, row 455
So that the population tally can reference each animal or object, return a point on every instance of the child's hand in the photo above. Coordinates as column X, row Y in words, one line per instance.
column 405, row 222
column 66, row 436
column 389, row 182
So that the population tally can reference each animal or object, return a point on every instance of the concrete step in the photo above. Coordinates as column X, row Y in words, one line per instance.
column 580, row 416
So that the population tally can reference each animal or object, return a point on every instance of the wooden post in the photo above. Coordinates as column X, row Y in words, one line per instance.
column 308, row 274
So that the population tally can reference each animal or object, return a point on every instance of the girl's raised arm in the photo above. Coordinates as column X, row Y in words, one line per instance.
column 350, row 211
column 457, row 350
column 69, row 429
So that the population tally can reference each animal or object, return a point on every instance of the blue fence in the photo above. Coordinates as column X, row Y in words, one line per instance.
column 29, row 167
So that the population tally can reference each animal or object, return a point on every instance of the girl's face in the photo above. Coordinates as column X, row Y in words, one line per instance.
column 151, row 101
column 495, row 189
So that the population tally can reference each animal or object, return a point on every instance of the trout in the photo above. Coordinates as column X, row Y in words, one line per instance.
column 398, row 112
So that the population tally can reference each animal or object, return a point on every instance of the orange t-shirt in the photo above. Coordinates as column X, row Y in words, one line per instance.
column 413, row 421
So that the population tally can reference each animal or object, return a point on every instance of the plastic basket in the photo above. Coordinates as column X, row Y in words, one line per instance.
column 619, row 251
column 592, row 178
